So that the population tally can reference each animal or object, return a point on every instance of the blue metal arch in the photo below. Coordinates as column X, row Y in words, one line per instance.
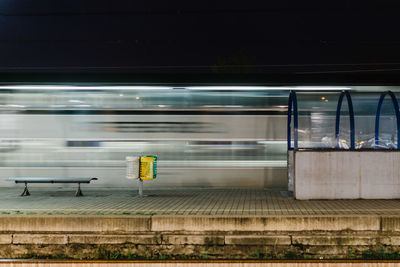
column 292, row 102
column 351, row 114
column 378, row 115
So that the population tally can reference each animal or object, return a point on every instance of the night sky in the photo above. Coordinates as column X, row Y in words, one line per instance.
column 194, row 36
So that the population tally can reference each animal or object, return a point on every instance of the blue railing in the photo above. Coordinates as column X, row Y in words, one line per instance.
column 351, row 114
column 292, row 102
column 292, row 105
column 378, row 115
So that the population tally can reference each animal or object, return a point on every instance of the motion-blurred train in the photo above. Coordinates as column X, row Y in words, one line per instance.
column 219, row 137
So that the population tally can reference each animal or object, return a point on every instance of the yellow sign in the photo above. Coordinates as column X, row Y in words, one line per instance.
column 148, row 168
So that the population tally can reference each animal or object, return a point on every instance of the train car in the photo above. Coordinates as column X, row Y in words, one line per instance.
column 202, row 137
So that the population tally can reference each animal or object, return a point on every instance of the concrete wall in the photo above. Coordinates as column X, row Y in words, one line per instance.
column 346, row 174
column 196, row 237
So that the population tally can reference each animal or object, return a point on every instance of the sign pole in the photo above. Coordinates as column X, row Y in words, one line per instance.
column 140, row 180
column 140, row 187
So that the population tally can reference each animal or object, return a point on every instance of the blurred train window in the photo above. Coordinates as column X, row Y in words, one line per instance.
column 83, row 143
column 140, row 98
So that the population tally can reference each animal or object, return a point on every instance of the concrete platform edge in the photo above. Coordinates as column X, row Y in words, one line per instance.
column 198, row 223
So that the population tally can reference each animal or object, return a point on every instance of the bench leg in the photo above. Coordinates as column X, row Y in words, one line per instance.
column 26, row 191
column 79, row 192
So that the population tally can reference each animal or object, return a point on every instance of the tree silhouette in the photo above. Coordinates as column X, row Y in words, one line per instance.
column 238, row 62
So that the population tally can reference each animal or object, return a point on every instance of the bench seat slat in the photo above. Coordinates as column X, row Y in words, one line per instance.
column 51, row 179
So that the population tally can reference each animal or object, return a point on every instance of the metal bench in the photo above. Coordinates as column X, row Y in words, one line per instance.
column 52, row 180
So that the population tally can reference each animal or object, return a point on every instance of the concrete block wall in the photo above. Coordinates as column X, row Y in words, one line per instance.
column 346, row 174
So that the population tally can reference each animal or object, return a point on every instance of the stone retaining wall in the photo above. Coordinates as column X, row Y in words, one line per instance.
column 196, row 237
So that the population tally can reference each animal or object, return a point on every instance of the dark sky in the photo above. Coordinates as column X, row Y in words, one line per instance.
column 168, row 36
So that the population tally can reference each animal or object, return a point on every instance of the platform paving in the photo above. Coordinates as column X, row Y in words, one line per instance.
column 182, row 201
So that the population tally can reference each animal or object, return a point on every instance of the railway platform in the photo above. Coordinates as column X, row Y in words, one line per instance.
column 194, row 223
